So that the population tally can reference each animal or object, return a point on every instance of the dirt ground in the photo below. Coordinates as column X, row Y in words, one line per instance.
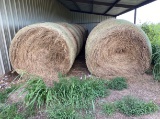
column 142, row 86
column 7, row 79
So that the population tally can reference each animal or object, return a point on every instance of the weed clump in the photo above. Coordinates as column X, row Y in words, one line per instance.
column 134, row 107
column 37, row 93
column 118, row 83
column 130, row 106
column 109, row 108
column 9, row 112
column 62, row 111
column 4, row 94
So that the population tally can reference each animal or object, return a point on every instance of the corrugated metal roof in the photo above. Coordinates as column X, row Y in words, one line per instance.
column 68, row 4
column 108, row 1
column 117, row 10
column 99, row 8
column 104, row 7
column 84, row 6
column 131, row 2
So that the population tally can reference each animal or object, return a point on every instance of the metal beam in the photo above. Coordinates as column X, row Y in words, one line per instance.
column 102, row 3
column 92, row 6
column 135, row 16
column 111, row 6
column 93, row 13
column 137, row 6
column 64, row 5
column 76, row 5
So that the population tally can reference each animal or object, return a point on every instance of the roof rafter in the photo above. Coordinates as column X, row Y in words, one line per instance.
column 92, row 6
column 111, row 6
column 102, row 3
column 91, row 3
column 76, row 5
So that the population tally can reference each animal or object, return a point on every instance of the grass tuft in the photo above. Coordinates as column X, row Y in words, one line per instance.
column 134, row 107
column 156, row 61
column 118, row 83
column 62, row 111
column 4, row 93
column 15, row 111
column 10, row 112
column 37, row 93
column 109, row 108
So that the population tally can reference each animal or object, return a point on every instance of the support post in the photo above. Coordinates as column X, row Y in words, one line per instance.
column 135, row 16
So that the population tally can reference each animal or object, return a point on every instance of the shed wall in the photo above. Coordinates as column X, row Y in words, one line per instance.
column 87, row 20
column 16, row 14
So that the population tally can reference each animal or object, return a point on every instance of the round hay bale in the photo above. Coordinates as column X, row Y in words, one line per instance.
column 83, row 30
column 76, row 34
column 117, row 48
column 44, row 49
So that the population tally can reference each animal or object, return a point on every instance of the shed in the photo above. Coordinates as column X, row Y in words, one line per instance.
column 16, row 14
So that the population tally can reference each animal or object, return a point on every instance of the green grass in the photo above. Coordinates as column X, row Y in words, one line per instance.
column 66, row 97
column 10, row 112
column 68, row 111
column 109, row 108
column 4, row 93
column 70, row 98
column 72, row 90
column 80, row 92
column 153, row 32
column 132, row 106
column 13, row 111
column 156, row 61
column 118, row 83
column 62, row 111
column 38, row 94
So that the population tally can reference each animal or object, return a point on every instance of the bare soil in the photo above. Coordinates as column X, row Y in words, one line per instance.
column 7, row 79
column 143, row 87
column 79, row 67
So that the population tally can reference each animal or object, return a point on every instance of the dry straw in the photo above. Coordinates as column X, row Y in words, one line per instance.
column 117, row 48
column 46, row 49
